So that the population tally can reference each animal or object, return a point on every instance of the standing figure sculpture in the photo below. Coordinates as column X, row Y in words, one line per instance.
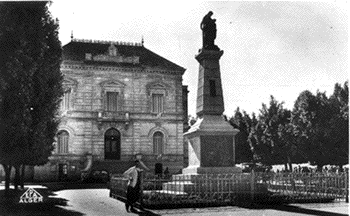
column 208, row 27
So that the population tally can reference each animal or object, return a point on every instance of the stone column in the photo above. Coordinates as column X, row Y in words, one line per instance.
column 211, row 140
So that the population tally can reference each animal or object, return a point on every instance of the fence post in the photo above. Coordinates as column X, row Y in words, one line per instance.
column 346, row 188
column 252, row 185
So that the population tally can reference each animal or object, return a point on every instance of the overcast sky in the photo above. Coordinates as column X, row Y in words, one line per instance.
column 270, row 48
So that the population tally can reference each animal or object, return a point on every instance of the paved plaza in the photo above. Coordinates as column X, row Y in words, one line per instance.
column 96, row 201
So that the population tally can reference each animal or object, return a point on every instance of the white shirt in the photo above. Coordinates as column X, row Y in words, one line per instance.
column 132, row 175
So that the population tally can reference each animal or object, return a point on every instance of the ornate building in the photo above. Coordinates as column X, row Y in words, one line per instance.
column 121, row 101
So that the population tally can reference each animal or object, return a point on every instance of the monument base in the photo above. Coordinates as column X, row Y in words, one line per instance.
column 211, row 146
column 211, row 170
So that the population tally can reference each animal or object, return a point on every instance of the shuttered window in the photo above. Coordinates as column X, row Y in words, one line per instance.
column 112, row 101
column 157, row 103
column 62, row 142
column 65, row 103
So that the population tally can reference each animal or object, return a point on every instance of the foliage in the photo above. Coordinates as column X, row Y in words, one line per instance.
column 323, row 123
column 339, row 125
column 31, row 82
column 269, row 133
column 316, row 130
column 243, row 123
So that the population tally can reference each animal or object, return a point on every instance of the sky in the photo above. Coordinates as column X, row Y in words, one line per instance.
column 270, row 48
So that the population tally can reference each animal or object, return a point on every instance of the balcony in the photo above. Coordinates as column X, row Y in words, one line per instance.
column 115, row 116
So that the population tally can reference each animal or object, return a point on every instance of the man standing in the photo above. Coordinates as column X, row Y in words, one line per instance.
column 134, row 185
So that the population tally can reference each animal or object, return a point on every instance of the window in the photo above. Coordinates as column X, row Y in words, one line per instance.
column 158, row 139
column 112, row 95
column 157, row 103
column 65, row 103
column 112, row 101
column 157, row 95
column 212, row 88
column 62, row 142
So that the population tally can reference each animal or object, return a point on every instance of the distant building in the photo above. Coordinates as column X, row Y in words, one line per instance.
column 121, row 101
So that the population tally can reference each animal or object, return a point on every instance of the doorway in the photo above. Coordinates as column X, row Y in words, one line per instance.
column 112, row 144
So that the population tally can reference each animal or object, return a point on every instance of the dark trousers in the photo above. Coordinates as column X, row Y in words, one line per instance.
column 132, row 195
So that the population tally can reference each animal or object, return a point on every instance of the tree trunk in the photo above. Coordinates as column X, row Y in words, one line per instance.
column 286, row 166
column 290, row 164
column 22, row 176
column 7, row 169
column 17, row 177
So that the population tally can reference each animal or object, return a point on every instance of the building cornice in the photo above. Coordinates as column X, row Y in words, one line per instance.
column 82, row 66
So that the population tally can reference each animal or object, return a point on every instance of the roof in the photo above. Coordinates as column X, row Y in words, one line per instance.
column 76, row 50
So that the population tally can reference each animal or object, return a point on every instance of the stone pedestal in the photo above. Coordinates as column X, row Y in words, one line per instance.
column 211, row 140
column 211, row 146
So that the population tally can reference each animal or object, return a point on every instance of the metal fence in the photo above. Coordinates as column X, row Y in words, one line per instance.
column 307, row 186
column 234, row 189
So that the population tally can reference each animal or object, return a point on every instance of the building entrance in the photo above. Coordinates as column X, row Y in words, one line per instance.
column 112, row 144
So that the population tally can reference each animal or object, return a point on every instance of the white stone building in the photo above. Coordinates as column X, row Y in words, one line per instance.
column 121, row 100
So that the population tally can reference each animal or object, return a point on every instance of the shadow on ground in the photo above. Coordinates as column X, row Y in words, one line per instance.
column 56, row 186
column 279, row 206
column 139, row 210
column 295, row 209
column 10, row 205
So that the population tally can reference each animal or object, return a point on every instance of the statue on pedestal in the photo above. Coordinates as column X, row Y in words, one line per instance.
column 208, row 27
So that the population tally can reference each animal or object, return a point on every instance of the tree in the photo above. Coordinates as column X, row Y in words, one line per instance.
column 256, row 139
column 323, row 123
column 267, row 138
column 243, row 123
column 31, row 84
column 339, row 125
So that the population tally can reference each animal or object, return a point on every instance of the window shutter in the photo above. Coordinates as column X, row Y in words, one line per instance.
column 157, row 103
column 112, row 101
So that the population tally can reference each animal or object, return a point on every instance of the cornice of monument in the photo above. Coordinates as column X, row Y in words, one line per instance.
column 212, row 124
column 209, row 54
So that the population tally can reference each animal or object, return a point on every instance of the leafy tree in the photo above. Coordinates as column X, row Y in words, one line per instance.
column 243, row 123
column 256, row 139
column 339, row 125
column 323, row 123
column 268, row 136
column 31, row 84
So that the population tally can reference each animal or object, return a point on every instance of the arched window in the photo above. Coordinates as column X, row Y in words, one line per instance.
column 62, row 142
column 158, row 143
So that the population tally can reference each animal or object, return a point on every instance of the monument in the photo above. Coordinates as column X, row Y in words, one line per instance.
column 211, row 140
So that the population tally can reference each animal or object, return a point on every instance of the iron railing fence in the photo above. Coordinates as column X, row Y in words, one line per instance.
column 307, row 186
column 232, row 189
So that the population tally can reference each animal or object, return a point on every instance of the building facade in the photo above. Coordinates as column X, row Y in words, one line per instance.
column 121, row 102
